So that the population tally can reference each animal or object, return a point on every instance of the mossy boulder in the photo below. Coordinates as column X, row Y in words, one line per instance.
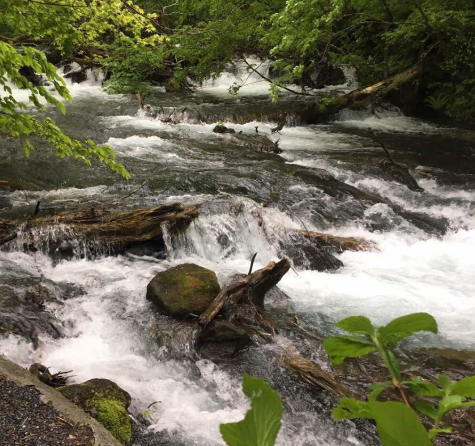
column 184, row 289
column 106, row 402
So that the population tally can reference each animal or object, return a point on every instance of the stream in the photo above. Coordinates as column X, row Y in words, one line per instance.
column 110, row 329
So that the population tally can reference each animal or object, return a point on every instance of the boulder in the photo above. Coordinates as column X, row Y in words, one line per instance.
column 221, row 128
column 34, row 78
column 184, row 289
column 106, row 402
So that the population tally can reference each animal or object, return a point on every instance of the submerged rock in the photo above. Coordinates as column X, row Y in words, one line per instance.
column 400, row 173
column 25, row 300
column 221, row 128
column 106, row 402
column 184, row 289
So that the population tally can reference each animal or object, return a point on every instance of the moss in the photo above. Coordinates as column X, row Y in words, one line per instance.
column 184, row 289
column 112, row 414
column 106, row 402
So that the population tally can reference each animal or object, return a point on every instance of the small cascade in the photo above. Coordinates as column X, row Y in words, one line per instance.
column 60, row 243
column 240, row 78
column 350, row 76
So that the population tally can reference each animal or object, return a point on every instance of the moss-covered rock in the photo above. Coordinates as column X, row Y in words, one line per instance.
column 184, row 289
column 106, row 402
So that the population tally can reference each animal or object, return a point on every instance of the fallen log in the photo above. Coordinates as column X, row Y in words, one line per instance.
column 312, row 374
column 254, row 285
column 371, row 95
column 106, row 227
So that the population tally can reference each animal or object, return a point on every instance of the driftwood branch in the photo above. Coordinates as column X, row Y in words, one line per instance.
column 312, row 373
column 256, row 284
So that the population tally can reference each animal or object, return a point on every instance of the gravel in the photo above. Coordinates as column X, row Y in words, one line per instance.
column 26, row 421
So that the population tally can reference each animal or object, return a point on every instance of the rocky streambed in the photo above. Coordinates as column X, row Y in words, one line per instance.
column 350, row 229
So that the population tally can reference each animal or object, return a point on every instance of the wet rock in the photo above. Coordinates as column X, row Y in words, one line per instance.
column 150, row 112
column 41, row 372
column 23, row 313
column 24, row 300
column 76, row 73
column 322, row 75
column 33, row 77
column 221, row 128
column 400, row 173
column 313, row 256
column 218, row 330
column 222, row 339
column 106, row 402
column 184, row 289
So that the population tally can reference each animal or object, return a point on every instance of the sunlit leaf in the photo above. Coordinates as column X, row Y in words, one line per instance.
column 261, row 423
column 405, row 326
column 357, row 324
column 398, row 425
column 341, row 347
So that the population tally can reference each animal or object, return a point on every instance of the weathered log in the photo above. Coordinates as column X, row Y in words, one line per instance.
column 380, row 90
column 312, row 374
column 256, row 285
column 374, row 94
column 109, row 227
column 334, row 242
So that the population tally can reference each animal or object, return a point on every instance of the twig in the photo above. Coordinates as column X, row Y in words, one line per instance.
column 252, row 264
column 370, row 130
column 65, row 421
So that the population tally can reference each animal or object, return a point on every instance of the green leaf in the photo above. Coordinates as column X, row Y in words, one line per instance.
column 349, row 408
column 426, row 408
column 393, row 365
column 376, row 390
column 341, row 347
column 434, row 432
column 450, row 402
column 445, row 383
column 423, row 388
column 398, row 425
column 405, row 326
column 261, row 423
column 465, row 387
column 358, row 325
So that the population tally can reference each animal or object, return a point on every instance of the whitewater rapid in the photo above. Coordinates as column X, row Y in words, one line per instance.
column 109, row 328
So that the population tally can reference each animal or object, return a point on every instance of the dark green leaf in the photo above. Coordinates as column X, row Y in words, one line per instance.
column 341, row 347
column 393, row 365
column 423, row 388
column 358, row 325
column 426, row 408
column 405, row 326
column 261, row 423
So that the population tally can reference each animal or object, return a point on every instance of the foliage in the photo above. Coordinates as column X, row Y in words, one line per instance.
column 142, row 43
column 261, row 423
column 14, row 122
column 398, row 424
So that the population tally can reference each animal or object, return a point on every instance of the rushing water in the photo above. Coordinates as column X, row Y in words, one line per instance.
column 109, row 325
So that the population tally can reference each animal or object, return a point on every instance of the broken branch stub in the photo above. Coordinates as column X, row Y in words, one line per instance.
column 255, row 285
